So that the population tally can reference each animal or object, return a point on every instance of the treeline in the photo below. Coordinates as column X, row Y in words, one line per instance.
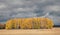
column 56, row 25
column 29, row 23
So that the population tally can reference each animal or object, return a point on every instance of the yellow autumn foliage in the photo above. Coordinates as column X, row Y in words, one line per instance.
column 29, row 23
column 36, row 23
column 26, row 23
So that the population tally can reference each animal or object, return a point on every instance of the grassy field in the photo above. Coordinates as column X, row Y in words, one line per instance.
column 54, row 31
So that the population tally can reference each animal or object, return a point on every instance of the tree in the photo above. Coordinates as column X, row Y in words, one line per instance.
column 36, row 23
column 50, row 23
column 26, row 23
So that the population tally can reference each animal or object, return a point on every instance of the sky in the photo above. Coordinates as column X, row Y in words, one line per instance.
column 30, row 8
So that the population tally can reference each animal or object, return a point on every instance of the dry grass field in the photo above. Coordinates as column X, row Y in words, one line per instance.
column 54, row 31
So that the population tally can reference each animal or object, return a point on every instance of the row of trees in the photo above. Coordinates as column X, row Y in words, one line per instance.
column 29, row 23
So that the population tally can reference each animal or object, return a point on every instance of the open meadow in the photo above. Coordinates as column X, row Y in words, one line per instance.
column 54, row 31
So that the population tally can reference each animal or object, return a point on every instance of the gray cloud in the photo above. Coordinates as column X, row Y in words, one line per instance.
column 30, row 8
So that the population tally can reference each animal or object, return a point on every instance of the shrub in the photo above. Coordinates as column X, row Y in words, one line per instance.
column 2, row 26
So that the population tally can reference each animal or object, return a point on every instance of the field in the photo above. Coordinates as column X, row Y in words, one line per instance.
column 54, row 31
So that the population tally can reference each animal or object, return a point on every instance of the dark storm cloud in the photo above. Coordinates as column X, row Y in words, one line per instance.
column 30, row 8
